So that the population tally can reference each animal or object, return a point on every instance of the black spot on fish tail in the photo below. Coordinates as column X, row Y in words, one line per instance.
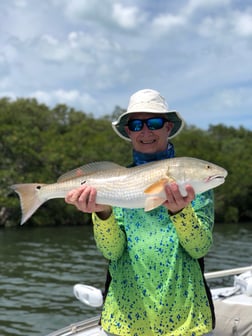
column 83, row 182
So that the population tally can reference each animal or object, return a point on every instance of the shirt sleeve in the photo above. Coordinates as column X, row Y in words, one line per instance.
column 194, row 225
column 110, row 238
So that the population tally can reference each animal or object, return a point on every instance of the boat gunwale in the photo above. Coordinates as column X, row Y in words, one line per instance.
column 77, row 327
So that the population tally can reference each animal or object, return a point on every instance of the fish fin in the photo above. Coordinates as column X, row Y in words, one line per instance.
column 29, row 198
column 158, row 186
column 71, row 174
column 88, row 169
column 153, row 202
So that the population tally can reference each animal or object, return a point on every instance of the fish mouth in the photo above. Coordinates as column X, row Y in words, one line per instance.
column 215, row 177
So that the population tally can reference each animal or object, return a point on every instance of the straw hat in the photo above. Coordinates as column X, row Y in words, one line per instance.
column 148, row 101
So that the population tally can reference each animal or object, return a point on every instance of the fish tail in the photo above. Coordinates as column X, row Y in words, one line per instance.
column 30, row 199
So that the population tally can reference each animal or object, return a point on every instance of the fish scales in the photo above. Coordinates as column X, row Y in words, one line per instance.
column 126, row 187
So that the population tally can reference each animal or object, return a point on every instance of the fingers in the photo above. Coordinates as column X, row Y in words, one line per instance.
column 174, row 200
column 84, row 198
column 73, row 195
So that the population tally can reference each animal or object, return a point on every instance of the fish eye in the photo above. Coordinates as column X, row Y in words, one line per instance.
column 208, row 166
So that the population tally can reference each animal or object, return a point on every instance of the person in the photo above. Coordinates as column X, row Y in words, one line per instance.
column 156, row 259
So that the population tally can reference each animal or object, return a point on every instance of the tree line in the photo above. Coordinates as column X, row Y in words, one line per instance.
column 38, row 144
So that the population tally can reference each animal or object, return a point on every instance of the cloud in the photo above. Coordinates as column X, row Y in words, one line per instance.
column 167, row 22
column 87, row 10
column 229, row 106
column 194, row 6
column 110, row 14
column 70, row 98
column 94, row 56
column 21, row 3
column 242, row 23
column 189, row 15
column 127, row 17
column 231, row 99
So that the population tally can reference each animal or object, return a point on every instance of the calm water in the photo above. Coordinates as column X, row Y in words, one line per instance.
column 39, row 267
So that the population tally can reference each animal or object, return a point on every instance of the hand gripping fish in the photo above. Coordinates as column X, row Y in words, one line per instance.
column 136, row 187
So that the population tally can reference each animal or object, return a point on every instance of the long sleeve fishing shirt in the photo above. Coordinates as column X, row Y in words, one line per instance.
column 157, row 286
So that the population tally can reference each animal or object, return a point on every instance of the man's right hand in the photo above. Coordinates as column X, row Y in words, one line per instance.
column 84, row 199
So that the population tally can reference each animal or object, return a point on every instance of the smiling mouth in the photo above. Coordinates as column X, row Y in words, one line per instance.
column 150, row 142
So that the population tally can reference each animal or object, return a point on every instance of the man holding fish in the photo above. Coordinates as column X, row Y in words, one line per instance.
column 155, row 257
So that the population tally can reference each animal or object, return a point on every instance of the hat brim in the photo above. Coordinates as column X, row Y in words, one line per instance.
column 172, row 116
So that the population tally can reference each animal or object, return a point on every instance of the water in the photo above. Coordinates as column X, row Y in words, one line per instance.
column 39, row 267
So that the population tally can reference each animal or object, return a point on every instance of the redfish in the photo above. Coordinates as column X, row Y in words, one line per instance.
column 136, row 187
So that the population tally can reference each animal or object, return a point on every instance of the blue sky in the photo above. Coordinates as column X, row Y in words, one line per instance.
column 92, row 55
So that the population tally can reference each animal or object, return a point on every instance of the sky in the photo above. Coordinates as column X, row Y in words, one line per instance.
column 93, row 54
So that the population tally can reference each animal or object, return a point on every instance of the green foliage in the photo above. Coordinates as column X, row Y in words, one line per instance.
column 38, row 144
column 230, row 148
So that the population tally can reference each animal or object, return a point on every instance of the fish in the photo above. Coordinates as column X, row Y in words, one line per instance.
column 136, row 187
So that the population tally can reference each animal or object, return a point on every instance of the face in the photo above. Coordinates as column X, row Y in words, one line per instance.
column 149, row 141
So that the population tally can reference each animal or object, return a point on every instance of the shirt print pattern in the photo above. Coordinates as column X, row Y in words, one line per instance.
column 157, row 286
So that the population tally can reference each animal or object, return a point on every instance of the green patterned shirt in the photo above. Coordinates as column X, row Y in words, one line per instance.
column 157, row 286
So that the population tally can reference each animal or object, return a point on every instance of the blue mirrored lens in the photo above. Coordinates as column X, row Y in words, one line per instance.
column 135, row 125
column 155, row 123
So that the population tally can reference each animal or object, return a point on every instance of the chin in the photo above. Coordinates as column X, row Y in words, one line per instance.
column 148, row 149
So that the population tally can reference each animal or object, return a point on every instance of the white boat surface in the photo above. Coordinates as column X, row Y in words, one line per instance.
column 233, row 307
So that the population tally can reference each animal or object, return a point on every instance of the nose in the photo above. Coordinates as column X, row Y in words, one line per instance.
column 145, row 128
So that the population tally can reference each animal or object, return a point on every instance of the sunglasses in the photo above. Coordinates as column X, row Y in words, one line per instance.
column 136, row 125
